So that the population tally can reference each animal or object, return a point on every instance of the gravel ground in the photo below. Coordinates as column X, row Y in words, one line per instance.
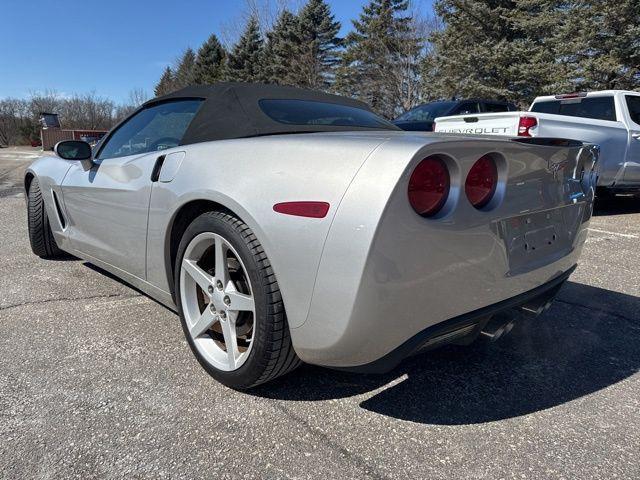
column 96, row 381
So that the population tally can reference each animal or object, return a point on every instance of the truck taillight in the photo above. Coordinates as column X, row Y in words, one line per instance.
column 481, row 182
column 429, row 186
column 571, row 95
column 525, row 125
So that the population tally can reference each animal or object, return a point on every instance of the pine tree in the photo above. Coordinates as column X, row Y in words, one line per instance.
column 601, row 43
column 538, row 67
column 184, row 72
column 244, row 63
column 503, row 49
column 375, row 50
column 210, row 62
column 280, row 50
column 166, row 84
column 317, row 46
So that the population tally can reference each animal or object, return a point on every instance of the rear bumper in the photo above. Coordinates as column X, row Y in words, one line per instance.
column 426, row 282
column 466, row 327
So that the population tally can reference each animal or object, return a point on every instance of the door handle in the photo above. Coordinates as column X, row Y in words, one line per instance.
column 636, row 136
column 155, row 173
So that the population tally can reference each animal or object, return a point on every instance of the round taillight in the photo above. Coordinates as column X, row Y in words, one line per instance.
column 429, row 186
column 482, row 182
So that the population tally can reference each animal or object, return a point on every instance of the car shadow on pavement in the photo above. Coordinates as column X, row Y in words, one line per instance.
column 617, row 206
column 121, row 281
column 63, row 257
column 589, row 340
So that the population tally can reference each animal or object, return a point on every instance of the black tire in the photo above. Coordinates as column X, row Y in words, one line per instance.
column 40, row 236
column 272, row 354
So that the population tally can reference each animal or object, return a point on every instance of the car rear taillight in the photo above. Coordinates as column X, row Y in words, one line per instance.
column 429, row 186
column 525, row 125
column 482, row 181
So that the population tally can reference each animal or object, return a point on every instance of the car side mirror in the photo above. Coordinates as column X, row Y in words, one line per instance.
column 73, row 150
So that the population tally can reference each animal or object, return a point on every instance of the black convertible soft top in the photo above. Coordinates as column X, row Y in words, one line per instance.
column 237, row 110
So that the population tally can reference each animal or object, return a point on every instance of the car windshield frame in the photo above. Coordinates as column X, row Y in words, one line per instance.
column 143, row 116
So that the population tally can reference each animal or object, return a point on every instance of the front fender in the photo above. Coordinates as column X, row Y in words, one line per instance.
column 50, row 172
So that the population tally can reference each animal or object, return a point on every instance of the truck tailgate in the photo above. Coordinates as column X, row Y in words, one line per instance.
column 505, row 123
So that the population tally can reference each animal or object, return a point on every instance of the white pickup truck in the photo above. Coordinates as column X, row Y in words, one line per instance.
column 610, row 119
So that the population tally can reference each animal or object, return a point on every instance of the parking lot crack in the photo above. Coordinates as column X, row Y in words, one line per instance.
column 342, row 451
column 65, row 299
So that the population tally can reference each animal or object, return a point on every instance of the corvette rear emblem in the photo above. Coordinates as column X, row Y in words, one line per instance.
column 554, row 168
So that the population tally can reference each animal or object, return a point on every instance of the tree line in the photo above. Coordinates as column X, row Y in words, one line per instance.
column 378, row 61
column 519, row 49
column 20, row 118
column 396, row 56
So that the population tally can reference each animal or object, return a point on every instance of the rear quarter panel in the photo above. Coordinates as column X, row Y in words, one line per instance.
column 249, row 177
column 611, row 137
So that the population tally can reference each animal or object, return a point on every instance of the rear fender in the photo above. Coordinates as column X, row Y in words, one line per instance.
column 250, row 176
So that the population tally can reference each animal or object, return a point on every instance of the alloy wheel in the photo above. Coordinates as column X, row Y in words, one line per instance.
column 217, row 301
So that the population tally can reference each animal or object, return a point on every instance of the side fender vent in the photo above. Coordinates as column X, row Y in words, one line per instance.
column 61, row 219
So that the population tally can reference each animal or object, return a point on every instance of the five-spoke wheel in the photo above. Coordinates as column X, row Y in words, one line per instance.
column 217, row 301
column 230, row 303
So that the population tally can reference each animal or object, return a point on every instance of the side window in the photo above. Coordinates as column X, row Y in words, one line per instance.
column 598, row 108
column 155, row 128
column 495, row 107
column 467, row 108
column 633, row 104
column 549, row 106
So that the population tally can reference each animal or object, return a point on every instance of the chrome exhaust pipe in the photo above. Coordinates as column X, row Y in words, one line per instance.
column 497, row 327
column 539, row 305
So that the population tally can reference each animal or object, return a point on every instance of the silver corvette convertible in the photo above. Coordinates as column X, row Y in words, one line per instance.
column 286, row 225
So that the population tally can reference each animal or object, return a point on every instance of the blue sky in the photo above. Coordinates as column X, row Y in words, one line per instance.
column 73, row 47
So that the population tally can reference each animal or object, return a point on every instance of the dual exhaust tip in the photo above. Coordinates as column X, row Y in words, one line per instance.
column 502, row 323
column 491, row 327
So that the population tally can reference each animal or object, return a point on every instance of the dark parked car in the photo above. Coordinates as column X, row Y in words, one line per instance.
column 421, row 118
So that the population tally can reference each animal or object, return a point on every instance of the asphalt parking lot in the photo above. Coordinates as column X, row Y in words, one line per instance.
column 97, row 381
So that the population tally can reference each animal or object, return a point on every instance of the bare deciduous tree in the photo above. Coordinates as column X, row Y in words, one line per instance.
column 137, row 97
column 406, row 81
column 19, row 118
column 86, row 111
column 265, row 11
column 13, row 115
column 45, row 101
